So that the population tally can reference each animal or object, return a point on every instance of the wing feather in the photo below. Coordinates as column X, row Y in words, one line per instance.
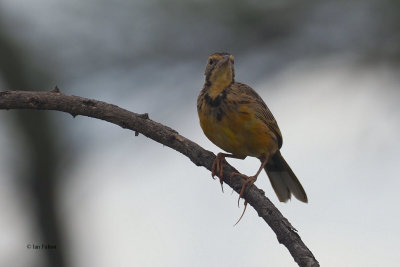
column 250, row 97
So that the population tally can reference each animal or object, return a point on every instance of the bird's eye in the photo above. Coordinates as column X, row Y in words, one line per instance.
column 211, row 61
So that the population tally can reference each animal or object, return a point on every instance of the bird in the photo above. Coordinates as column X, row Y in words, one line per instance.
column 236, row 119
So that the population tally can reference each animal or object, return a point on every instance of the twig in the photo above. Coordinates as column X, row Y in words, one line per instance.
column 140, row 123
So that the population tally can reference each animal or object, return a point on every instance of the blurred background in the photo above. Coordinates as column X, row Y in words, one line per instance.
column 328, row 70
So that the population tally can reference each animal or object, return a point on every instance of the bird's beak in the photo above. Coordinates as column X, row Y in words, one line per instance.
column 224, row 60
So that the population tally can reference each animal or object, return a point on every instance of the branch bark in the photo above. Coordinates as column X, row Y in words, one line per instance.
column 140, row 123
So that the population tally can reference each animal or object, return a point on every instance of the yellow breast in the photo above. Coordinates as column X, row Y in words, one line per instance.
column 236, row 129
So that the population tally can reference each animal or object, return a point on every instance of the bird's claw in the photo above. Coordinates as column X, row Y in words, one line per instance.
column 217, row 169
column 249, row 180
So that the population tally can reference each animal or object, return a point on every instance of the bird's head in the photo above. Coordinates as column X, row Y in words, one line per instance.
column 219, row 70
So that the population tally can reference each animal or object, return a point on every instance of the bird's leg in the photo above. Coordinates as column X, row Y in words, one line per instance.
column 218, row 168
column 249, row 181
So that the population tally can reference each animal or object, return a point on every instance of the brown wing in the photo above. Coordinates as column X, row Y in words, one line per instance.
column 248, row 96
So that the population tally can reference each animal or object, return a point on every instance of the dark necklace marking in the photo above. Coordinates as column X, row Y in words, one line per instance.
column 219, row 113
column 217, row 107
column 216, row 101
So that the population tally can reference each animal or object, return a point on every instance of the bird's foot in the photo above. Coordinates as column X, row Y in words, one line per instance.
column 218, row 168
column 244, row 210
column 249, row 181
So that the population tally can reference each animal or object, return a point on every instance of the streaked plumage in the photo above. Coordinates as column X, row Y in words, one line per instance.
column 235, row 118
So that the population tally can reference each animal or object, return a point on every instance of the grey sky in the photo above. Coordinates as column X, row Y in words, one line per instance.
column 129, row 201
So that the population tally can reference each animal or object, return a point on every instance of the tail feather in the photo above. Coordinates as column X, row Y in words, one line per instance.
column 283, row 180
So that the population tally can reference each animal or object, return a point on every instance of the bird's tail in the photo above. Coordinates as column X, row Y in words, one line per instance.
column 283, row 180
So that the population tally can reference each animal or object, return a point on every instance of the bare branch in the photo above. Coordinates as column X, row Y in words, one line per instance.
column 140, row 123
